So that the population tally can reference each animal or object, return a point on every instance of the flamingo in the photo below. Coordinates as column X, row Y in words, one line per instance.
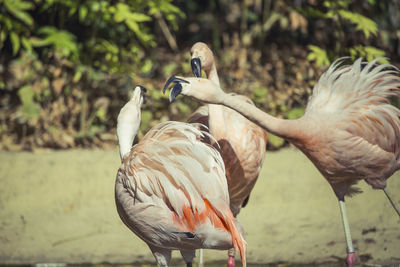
column 171, row 189
column 349, row 130
column 242, row 143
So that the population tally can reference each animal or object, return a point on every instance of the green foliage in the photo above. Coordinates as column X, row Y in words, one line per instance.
column 275, row 141
column 338, row 14
column 64, row 56
column 318, row 55
column 367, row 52
column 107, row 35
column 295, row 113
column 364, row 24
column 15, row 21
column 260, row 94
column 30, row 109
column 60, row 40
column 67, row 66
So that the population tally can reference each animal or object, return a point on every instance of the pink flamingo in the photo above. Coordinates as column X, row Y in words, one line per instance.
column 242, row 143
column 171, row 189
column 349, row 130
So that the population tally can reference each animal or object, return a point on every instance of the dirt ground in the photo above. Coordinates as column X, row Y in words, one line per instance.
column 58, row 206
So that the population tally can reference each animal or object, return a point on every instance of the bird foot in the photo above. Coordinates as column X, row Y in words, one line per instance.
column 351, row 259
column 231, row 261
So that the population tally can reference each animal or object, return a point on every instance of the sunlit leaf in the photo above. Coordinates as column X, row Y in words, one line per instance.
column 30, row 109
column 26, row 44
column 368, row 52
column 147, row 65
column 82, row 13
column 295, row 113
column 364, row 24
column 3, row 36
column 15, row 42
column 275, row 141
column 318, row 55
column 59, row 39
column 77, row 76
column 18, row 8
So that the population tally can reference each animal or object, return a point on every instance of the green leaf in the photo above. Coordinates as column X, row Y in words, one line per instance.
column 147, row 66
column 138, row 17
column 101, row 114
column 59, row 39
column 77, row 76
column 15, row 42
column 274, row 17
column 364, row 24
column 17, row 8
column 133, row 26
column 82, row 13
column 260, row 91
column 26, row 44
column 295, row 113
column 3, row 36
column 368, row 52
column 319, row 55
column 275, row 141
column 30, row 109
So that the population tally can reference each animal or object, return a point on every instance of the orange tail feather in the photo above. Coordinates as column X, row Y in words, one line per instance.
column 229, row 224
column 237, row 239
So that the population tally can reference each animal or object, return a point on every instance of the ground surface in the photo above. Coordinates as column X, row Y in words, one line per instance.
column 59, row 207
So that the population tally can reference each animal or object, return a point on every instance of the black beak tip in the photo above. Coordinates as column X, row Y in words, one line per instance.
column 175, row 91
column 172, row 80
column 196, row 67
column 142, row 89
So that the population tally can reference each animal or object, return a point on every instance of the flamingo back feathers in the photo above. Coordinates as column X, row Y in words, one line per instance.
column 170, row 167
column 358, row 95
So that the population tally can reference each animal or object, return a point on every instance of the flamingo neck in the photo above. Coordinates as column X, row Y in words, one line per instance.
column 216, row 119
column 212, row 75
column 287, row 129
column 126, row 133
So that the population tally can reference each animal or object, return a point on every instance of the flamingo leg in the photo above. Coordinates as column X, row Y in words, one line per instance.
column 162, row 256
column 351, row 256
column 200, row 263
column 391, row 201
column 231, row 257
column 188, row 256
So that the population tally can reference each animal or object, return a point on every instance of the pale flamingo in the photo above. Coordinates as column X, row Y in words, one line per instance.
column 349, row 130
column 242, row 143
column 171, row 189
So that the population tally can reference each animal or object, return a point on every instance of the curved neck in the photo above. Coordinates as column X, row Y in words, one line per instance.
column 216, row 120
column 212, row 75
column 291, row 130
column 127, row 130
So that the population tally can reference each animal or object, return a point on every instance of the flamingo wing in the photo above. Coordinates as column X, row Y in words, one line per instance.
column 199, row 116
column 358, row 94
column 243, row 147
column 173, row 183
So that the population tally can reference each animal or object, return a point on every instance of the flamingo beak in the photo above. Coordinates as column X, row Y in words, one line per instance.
column 176, row 89
column 143, row 91
column 196, row 67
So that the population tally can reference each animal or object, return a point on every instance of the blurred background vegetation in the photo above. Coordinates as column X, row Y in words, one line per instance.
column 67, row 66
